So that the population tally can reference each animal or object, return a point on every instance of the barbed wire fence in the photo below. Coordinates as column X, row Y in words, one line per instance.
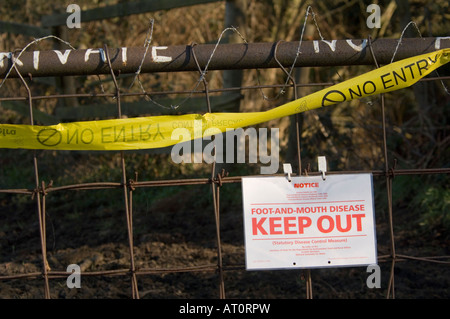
column 201, row 59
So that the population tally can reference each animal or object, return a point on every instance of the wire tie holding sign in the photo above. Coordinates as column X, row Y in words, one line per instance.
column 392, row 169
column 287, row 168
column 307, row 169
column 322, row 163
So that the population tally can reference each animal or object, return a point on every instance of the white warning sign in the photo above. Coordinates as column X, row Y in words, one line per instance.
column 309, row 222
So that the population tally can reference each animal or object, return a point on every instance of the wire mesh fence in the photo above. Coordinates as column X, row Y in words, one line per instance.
column 148, row 211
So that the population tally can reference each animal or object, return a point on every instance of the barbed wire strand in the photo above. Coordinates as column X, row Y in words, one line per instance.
column 14, row 59
column 309, row 11
column 148, row 40
column 420, row 35
column 202, row 73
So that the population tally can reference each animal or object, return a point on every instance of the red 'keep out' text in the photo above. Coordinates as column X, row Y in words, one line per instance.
column 291, row 225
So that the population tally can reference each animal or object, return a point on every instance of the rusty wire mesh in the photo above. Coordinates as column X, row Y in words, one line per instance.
column 216, row 182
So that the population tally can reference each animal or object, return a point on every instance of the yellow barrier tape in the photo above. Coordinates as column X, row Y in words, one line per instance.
column 161, row 131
